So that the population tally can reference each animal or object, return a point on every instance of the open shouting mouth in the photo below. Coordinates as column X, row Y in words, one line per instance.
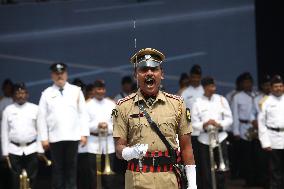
column 149, row 81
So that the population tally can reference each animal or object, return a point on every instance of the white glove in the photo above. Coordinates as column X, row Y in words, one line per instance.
column 135, row 152
column 191, row 176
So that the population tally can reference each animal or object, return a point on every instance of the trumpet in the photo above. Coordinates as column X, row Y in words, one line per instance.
column 103, row 133
column 252, row 133
column 213, row 143
column 24, row 180
column 47, row 161
column 23, row 177
column 9, row 162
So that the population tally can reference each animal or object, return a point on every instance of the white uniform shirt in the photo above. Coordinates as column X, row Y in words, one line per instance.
column 216, row 108
column 271, row 115
column 257, row 100
column 190, row 94
column 99, row 111
column 19, row 126
column 83, row 149
column 4, row 102
column 230, row 96
column 62, row 117
column 243, row 109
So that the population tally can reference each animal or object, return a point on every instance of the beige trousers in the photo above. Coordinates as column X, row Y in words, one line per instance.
column 157, row 180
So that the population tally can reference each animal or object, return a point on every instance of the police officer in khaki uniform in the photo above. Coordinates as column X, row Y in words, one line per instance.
column 135, row 140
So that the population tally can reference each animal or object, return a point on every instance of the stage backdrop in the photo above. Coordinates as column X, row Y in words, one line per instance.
column 96, row 39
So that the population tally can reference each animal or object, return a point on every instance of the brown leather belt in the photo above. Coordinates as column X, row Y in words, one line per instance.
column 153, row 162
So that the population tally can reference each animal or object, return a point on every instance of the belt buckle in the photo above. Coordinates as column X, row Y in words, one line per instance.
column 23, row 144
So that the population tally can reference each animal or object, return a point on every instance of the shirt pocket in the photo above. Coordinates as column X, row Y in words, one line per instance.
column 53, row 102
column 271, row 112
column 203, row 114
column 137, row 128
column 30, row 117
column 168, row 125
column 12, row 120
column 72, row 103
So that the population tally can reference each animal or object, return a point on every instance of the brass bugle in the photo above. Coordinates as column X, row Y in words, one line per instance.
column 9, row 162
column 107, row 169
column 103, row 133
column 45, row 159
column 24, row 180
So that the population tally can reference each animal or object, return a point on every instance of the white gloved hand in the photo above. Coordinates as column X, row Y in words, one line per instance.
column 191, row 176
column 135, row 152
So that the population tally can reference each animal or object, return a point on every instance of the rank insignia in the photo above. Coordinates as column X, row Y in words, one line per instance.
column 137, row 115
column 188, row 114
column 114, row 113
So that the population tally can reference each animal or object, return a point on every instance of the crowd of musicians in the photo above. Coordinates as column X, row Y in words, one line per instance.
column 73, row 122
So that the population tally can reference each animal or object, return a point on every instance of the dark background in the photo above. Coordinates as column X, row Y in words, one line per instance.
column 96, row 39
column 269, row 30
column 100, row 34
column 32, row 47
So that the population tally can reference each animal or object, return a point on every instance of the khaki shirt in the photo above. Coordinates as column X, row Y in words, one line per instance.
column 168, row 111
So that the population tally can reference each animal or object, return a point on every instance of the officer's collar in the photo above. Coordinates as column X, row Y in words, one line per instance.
column 139, row 97
column 209, row 98
column 277, row 97
column 20, row 105
column 57, row 87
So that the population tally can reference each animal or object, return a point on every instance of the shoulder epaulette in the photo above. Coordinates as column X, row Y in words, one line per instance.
column 120, row 101
column 262, row 101
column 173, row 96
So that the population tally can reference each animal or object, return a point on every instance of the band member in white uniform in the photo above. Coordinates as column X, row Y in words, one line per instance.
column 271, row 130
column 63, row 123
column 20, row 142
column 100, row 140
column 211, row 111
column 244, row 128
